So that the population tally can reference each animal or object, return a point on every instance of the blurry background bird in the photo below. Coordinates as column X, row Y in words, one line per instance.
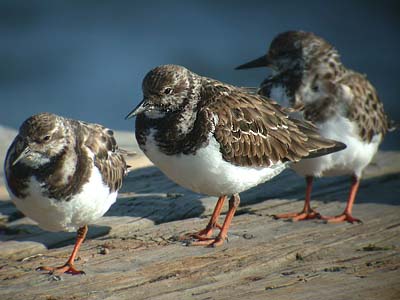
column 308, row 76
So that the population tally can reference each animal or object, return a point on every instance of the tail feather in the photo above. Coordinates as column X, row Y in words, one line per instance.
column 324, row 151
column 317, row 145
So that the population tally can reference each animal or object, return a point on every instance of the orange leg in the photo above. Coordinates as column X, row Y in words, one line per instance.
column 307, row 213
column 206, row 233
column 346, row 215
column 234, row 202
column 69, row 267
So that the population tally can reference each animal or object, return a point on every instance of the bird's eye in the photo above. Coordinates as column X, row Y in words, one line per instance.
column 46, row 138
column 168, row 91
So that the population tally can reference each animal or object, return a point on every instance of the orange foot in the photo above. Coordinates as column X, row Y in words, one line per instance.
column 67, row 268
column 209, row 242
column 301, row 216
column 202, row 235
column 206, row 233
column 344, row 217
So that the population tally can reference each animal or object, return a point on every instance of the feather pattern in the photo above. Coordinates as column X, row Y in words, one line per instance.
column 256, row 131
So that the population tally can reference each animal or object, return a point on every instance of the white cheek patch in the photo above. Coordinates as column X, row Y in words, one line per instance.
column 35, row 160
column 57, row 146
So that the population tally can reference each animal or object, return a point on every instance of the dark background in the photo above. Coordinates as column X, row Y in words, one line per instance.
column 86, row 59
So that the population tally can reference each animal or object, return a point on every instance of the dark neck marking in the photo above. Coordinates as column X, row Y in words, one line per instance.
column 181, row 132
column 169, row 135
column 50, row 176
column 291, row 80
column 54, row 185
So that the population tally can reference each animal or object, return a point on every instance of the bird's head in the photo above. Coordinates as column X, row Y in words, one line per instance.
column 290, row 50
column 40, row 138
column 167, row 88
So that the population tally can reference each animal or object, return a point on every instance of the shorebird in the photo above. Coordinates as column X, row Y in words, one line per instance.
column 217, row 139
column 309, row 76
column 64, row 174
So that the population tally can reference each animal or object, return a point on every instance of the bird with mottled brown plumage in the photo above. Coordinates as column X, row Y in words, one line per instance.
column 308, row 75
column 217, row 139
column 64, row 174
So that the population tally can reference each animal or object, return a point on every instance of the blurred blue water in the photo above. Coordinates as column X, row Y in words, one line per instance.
column 86, row 60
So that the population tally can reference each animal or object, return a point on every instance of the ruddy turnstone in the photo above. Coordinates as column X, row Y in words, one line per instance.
column 309, row 76
column 64, row 174
column 217, row 139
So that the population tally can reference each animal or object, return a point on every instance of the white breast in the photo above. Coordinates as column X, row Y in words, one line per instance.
column 278, row 93
column 351, row 160
column 206, row 172
column 56, row 215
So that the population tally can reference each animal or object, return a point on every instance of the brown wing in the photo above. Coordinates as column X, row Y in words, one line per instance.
column 108, row 158
column 365, row 108
column 255, row 131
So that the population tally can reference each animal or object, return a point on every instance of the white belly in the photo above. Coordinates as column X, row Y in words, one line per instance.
column 207, row 172
column 352, row 160
column 55, row 215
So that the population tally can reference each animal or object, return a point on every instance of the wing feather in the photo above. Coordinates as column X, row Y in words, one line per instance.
column 365, row 108
column 256, row 131
column 108, row 158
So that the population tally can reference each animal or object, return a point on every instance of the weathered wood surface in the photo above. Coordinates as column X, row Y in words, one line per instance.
column 133, row 253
